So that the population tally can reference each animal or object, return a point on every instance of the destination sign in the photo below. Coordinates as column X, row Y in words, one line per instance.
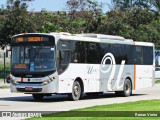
column 31, row 39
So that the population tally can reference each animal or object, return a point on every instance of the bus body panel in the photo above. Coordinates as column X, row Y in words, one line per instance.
column 144, row 76
column 94, row 80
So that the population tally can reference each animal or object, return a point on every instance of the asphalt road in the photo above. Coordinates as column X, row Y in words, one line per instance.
column 24, row 102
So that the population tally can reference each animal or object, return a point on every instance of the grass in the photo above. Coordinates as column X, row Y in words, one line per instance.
column 157, row 82
column 102, row 112
column 2, row 65
column 2, row 70
column 4, row 87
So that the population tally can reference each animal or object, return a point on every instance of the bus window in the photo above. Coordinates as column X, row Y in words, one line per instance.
column 147, row 53
column 63, row 60
column 92, row 56
column 138, row 54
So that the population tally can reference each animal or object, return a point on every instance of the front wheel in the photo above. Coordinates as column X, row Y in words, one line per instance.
column 76, row 91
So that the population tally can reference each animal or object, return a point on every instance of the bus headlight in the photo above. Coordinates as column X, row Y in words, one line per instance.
column 48, row 81
column 45, row 82
column 13, row 81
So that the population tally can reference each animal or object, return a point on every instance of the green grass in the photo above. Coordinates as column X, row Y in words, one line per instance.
column 157, row 82
column 2, row 65
column 99, row 112
column 7, row 67
column 4, row 87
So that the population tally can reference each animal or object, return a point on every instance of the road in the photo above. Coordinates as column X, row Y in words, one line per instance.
column 24, row 102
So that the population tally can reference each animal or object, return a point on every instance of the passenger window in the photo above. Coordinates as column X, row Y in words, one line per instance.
column 138, row 59
column 92, row 54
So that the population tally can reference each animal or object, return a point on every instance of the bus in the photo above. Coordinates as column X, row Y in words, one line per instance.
column 44, row 64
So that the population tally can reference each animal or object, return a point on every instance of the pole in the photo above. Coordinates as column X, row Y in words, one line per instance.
column 4, row 67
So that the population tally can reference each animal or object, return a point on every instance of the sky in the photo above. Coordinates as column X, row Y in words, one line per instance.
column 55, row 5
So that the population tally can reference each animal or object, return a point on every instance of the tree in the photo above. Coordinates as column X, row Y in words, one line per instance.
column 140, row 26
column 84, row 15
column 116, row 23
column 51, row 21
column 129, row 4
column 17, row 21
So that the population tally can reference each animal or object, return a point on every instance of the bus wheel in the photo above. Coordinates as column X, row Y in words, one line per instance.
column 76, row 91
column 127, row 89
column 38, row 96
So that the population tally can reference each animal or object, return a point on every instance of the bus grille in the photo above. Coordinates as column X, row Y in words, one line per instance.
column 30, row 82
column 33, row 90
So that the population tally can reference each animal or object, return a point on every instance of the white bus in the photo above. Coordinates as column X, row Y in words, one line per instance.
column 62, row 63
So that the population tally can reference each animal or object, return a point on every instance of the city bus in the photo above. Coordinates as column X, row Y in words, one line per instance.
column 44, row 64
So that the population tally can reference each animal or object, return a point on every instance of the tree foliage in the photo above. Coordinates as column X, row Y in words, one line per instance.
column 16, row 20
column 133, row 19
column 125, row 5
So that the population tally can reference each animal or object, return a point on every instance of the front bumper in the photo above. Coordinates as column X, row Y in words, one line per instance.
column 34, row 88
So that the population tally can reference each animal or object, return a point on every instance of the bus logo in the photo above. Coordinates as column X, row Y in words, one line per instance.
column 112, row 68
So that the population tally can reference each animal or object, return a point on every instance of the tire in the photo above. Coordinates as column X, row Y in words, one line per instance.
column 127, row 89
column 76, row 91
column 38, row 96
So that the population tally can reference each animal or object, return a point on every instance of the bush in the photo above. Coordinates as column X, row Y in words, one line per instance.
column 7, row 69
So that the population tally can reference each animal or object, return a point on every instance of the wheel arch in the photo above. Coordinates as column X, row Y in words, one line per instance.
column 81, row 83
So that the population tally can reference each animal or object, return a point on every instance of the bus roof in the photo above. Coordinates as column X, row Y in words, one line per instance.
column 102, row 38
column 93, row 38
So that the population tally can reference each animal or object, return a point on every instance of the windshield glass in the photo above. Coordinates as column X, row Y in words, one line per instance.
column 32, row 59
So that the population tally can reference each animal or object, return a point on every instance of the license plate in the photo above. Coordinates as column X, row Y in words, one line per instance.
column 28, row 88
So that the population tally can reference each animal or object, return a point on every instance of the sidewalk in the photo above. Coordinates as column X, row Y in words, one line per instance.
column 4, row 85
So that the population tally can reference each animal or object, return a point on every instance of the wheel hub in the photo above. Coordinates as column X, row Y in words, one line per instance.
column 127, row 88
column 76, row 91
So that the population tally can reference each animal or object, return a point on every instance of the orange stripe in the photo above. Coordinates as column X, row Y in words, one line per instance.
column 21, row 79
column 134, row 77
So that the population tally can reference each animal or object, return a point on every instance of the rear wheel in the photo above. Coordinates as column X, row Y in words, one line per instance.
column 76, row 91
column 38, row 96
column 127, row 89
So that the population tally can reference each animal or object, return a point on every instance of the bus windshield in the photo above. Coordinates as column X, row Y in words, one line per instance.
column 32, row 59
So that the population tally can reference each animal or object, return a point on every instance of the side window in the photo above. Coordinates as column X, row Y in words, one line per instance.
column 128, row 54
column 104, row 49
column 148, row 55
column 92, row 54
column 117, row 52
column 78, row 52
column 138, row 55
